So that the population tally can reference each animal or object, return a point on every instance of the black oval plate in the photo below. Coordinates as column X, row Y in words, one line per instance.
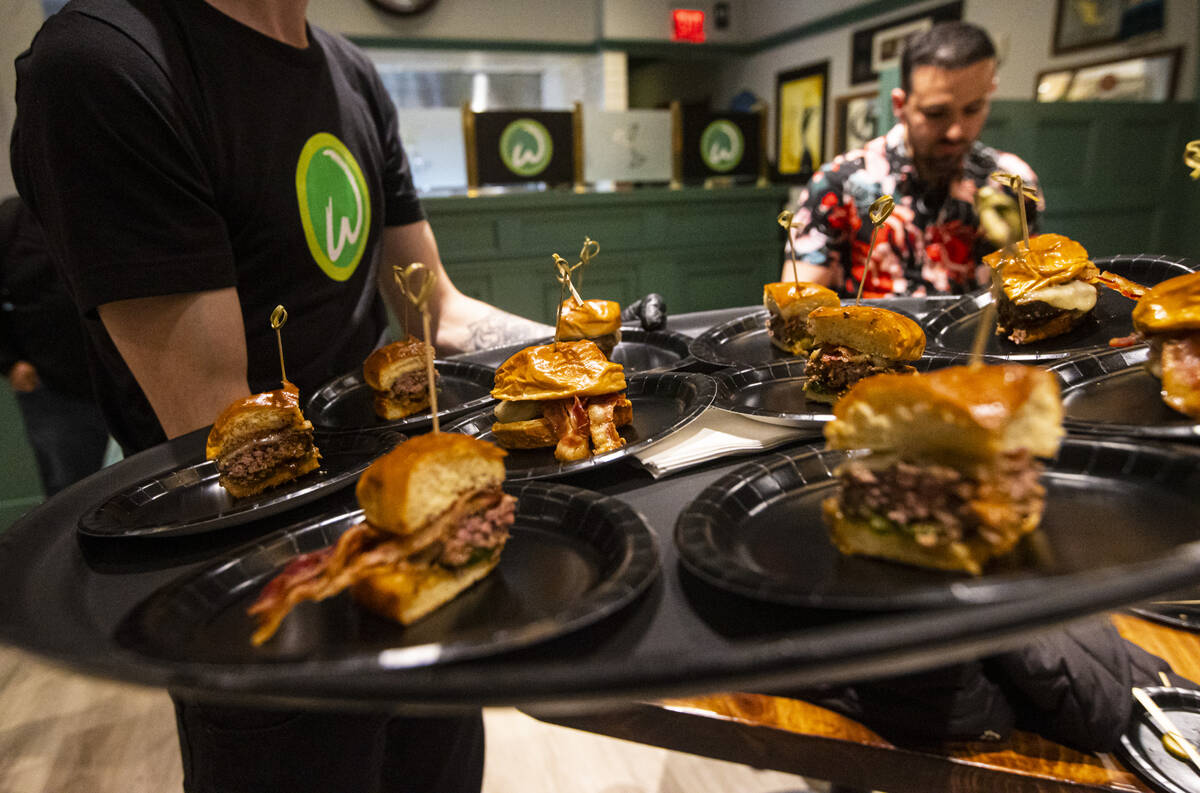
column 744, row 341
column 953, row 328
column 574, row 557
column 1141, row 747
column 1110, row 507
column 645, row 351
column 662, row 404
column 1111, row 393
column 345, row 403
column 189, row 500
column 774, row 392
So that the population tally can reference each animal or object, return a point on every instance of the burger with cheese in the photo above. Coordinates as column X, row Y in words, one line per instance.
column 853, row 342
column 949, row 478
column 1046, row 289
column 788, row 305
column 566, row 395
column 1168, row 316
column 261, row 441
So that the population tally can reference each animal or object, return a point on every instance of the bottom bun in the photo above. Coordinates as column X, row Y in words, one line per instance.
column 407, row 596
column 538, row 433
column 391, row 408
column 242, row 489
column 855, row 537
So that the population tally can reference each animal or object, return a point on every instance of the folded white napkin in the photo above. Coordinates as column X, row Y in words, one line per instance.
column 716, row 433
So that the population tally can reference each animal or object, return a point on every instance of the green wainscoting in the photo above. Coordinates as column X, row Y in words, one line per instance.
column 20, row 489
column 698, row 248
column 1112, row 172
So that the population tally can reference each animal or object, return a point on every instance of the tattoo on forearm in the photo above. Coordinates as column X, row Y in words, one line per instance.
column 499, row 331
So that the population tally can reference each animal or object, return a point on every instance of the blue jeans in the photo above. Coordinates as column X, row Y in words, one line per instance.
column 67, row 433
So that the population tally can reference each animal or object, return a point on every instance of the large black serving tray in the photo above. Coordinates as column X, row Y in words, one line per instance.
column 66, row 596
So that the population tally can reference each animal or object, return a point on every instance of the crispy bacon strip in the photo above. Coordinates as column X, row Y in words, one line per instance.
column 603, row 427
column 569, row 420
column 1117, row 283
column 359, row 552
column 1125, row 341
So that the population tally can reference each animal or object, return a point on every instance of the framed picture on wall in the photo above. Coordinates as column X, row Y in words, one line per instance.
column 855, row 120
column 1143, row 78
column 876, row 49
column 800, row 100
column 1079, row 25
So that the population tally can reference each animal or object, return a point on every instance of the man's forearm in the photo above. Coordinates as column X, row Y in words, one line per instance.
column 484, row 327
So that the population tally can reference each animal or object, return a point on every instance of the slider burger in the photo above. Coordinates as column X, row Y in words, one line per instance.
column 1044, row 294
column 853, row 342
column 950, row 478
column 1168, row 316
column 397, row 374
column 598, row 321
column 262, row 441
column 434, row 522
column 789, row 304
column 566, row 395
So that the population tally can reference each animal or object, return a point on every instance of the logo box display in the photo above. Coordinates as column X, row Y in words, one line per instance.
column 525, row 146
column 721, row 144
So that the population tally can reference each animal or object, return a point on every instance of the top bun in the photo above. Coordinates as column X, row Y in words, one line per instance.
column 588, row 320
column 789, row 300
column 875, row 331
column 1173, row 305
column 254, row 417
column 421, row 478
column 955, row 415
column 383, row 366
column 558, row 370
column 1056, row 260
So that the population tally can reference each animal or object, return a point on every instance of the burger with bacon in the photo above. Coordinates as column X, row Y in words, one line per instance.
column 566, row 395
column 435, row 521
column 1168, row 316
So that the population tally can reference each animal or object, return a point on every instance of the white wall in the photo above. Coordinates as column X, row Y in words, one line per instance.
column 22, row 20
column 1022, row 29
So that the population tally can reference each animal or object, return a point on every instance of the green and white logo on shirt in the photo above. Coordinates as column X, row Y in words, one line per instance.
column 722, row 145
column 335, row 207
column 526, row 147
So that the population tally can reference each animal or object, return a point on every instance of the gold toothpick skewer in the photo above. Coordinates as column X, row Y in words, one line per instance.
column 1191, row 158
column 419, row 296
column 881, row 208
column 564, row 283
column 986, row 321
column 590, row 249
column 785, row 220
column 1022, row 191
column 278, row 318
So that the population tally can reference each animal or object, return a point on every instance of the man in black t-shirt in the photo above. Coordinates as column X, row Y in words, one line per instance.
column 195, row 163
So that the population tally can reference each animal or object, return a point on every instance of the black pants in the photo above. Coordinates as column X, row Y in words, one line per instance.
column 243, row 750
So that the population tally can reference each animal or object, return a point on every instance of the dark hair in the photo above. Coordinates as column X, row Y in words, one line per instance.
column 949, row 45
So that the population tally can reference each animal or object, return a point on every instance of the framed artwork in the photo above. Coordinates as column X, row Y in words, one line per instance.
column 1143, row 78
column 800, row 99
column 876, row 49
column 1079, row 24
column 856, row 120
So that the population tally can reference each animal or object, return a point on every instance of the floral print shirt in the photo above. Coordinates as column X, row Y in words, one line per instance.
column 932, row 242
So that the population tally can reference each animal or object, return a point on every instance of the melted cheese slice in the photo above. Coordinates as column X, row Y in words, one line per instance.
column 1071, row 296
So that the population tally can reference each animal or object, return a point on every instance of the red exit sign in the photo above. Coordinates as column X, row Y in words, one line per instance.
column 687, row 24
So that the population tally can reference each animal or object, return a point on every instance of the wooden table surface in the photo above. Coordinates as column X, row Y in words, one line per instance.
column 797, row 737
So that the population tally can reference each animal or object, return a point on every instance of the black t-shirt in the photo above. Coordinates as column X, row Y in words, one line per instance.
column 168, row 149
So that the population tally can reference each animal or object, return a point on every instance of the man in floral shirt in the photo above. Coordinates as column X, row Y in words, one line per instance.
column 948, row 211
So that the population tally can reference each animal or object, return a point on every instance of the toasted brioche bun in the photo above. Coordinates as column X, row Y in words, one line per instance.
column 422, row 477
column 392, row 408
column 787, row 300
column 1169, row 307
column 556, row 371
column 852, row 537
column 588, row 320
column 954, row 415
column 408, row 595
column 254, row 417
column 536, row 433
column 875, row 331
column 1056, row 260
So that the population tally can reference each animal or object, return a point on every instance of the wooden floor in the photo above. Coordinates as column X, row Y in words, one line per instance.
column 64, row 733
